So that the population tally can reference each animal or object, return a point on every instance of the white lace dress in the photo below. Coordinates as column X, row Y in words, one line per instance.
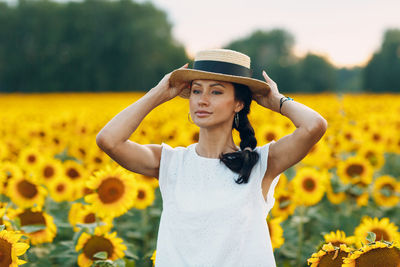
column 207, row 218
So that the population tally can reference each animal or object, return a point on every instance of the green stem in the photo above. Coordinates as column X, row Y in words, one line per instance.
column 300, row 240
column 145, row 221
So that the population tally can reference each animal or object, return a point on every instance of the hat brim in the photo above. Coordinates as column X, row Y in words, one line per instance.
column 187, row 75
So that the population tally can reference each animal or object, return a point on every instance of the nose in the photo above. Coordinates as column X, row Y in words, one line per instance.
column 203, row 99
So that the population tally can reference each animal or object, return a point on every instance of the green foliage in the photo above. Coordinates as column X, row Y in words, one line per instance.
column 85, row 46
column 382, row 72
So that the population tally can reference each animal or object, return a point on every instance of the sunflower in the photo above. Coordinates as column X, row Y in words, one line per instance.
column 282, row 185
column 25, row 191
column 35, row 216
column 99, row 241
column 8, row 170
column 61, row 189
column 266, row 133
column 339, row 237
column 10, row 248
column 114, row 191
column 374, row 154
column 332, row 192
column 309, row 185
column 318, row 156
column 385, row 191
column 48, row 169
column 355, row 169
column 96, row 158
column 329, row 256
column 153, row 257
column 152, row 181
column 276, row 232
column 383, row 229
column 29, row 157
column 6, row 223
column 86, row 214
column 76, row 174
column 145, row 195
column 375, row 254
column 284, row 205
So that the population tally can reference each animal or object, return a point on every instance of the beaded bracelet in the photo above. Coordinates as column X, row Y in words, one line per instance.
column 282, row 100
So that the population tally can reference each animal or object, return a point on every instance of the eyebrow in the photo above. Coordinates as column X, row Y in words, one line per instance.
column 214, row 84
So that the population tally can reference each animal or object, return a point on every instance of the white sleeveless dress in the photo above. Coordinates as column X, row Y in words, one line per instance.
column 208, row 219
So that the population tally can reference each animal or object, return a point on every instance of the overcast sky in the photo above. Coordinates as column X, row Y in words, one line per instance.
column 347, row 32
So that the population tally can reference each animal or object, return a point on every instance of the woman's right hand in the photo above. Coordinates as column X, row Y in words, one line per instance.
column 168, row 91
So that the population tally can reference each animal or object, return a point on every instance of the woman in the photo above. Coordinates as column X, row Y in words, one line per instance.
column 216, row 196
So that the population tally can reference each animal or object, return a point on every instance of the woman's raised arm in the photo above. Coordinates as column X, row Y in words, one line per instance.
column 113, row 138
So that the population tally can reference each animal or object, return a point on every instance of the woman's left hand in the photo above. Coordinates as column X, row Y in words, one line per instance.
column 271, row 100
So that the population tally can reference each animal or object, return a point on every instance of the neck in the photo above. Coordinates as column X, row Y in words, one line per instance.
column 214, row 141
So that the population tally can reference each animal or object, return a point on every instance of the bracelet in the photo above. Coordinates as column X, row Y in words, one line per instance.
column 282, row 100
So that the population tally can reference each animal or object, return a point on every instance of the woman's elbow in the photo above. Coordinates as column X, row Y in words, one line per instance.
column 319, row 127
column 103, row 142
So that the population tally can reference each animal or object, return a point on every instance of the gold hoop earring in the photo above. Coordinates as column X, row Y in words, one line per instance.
column 189, row 118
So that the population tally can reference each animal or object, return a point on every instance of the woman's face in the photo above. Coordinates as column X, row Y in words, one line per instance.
column 213, row 102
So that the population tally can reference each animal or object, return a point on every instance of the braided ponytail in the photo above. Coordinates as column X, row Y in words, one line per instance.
column 242, row 162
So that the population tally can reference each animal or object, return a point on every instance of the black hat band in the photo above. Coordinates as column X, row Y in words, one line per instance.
column 222, row 68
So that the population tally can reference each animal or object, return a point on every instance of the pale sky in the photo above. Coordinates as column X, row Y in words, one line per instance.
column 347, row 32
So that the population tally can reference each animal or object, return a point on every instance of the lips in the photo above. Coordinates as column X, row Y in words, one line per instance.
column 202, row 113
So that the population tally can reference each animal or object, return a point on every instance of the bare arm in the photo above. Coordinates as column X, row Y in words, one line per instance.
column 113, row 138
column 291, row 148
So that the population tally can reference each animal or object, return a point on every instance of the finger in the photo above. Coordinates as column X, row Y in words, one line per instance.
column 184, row 66
column 265, row 75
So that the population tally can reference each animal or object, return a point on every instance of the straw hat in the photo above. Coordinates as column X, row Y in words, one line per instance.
column 221, row 65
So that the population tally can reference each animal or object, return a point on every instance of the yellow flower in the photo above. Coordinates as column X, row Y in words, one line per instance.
column 276, row 232
column 114, row 191
column 61, row 189
column 25, row 191
column 10, row 248
column 29, row 157
column 329, row 256
column 375, row 254
column 99, row 241
column 35, row 216
column 145, row 195
column 383, row 229
column 153, row 257
column 8, row 170
column 339, row 237
column 355, row 169
column 374, row 154
column 284, row 205
column 309, row 186
column 48, row 169
column 385, row 191
column 86, row 214
column 333, row 196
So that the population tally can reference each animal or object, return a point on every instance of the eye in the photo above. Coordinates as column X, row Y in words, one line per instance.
column 217, row 92
column 195, row 91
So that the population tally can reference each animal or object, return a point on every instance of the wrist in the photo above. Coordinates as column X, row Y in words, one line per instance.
column 282, row 100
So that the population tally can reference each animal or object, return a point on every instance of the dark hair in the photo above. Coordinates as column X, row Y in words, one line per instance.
column 242, row 162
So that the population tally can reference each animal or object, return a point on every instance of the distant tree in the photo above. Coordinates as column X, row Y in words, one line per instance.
column 95, row 45
column 349, row 79
column 270, row 51
column 382, row 73
column 315, row 74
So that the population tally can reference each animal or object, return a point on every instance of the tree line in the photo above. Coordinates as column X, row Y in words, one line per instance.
column 100, row 45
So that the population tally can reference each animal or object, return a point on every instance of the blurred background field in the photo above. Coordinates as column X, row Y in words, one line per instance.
column 68, row 67
column 56, row 178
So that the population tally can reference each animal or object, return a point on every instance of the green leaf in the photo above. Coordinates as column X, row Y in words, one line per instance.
column 2, row 227
column 371, row 237
column 102, row 255
column 33, row 228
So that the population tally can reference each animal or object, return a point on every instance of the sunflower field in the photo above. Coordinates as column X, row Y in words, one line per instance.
column 64, row 202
